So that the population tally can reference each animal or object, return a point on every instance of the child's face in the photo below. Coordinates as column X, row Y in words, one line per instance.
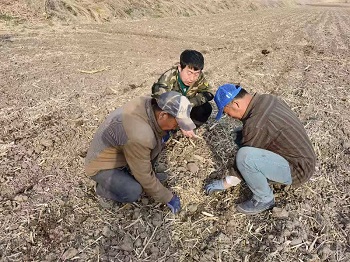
column 189, row 75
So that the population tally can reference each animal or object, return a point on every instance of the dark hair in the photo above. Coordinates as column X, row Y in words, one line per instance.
column 156, row 108
column 192, row 59
column 241, row 94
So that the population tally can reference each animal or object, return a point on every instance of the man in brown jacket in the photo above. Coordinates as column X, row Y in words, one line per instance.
column 275, row 146
column 126, row 144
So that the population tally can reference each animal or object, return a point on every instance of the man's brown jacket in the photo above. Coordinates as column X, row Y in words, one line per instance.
column 130, row 136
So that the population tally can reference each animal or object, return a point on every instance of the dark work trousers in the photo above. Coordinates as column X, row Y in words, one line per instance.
column 118, row 185
column 200, row 114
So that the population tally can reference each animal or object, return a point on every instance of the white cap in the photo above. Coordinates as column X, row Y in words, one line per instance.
column 179, row 107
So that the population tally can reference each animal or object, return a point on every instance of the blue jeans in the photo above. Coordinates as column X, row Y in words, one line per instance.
column 258, row 166
column 118, row 185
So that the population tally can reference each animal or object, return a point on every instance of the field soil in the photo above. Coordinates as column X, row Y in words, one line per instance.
column 108, row 10
column 58, row 83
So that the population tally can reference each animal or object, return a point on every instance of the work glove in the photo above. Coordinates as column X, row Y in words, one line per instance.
column 215, row 186
column 166, row 137
column 174, row 204
column 209, row 96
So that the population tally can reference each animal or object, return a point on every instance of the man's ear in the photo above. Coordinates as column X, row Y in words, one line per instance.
column 163, row 115
column 179, row 68
column 229, row 105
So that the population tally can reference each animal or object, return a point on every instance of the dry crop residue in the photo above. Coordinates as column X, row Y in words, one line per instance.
column 58, row 83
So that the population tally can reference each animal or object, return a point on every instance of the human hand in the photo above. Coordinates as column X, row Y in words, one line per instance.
column 190, row 134
column 209, row 96
column 215, row 186
column 174, row 204
column 166, row 137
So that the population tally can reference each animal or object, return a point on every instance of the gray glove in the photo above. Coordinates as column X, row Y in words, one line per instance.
column 215, row 186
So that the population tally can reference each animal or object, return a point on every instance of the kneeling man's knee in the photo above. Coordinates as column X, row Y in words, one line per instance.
column 133, row 193
column 242, row 155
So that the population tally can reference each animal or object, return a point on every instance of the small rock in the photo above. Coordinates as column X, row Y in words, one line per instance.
column 347, row 225
column 296, row 241
column 144, row 201
column 114, row 242
column 97, row 232
column 280, row 213
column 192, row 208
column 324, row 252
column 155, row 250
column 46, row 142
column 135, row 215
column 38, row 149
column 51, row 257
column 106, row 231
column 37, row 188
column 105, row 203
column 176, row 238
column 286, row 233
column 157, row 223
column 314, row 258
column 161, row 167
column 70, row 253
column 138, row 242
column 20, row 198
column 200, row 158
column 127, row 244
column 181, row 169
column 192, row 167
column 223, row 238
column 143, row 235
column 270, row 237
column 157, row 220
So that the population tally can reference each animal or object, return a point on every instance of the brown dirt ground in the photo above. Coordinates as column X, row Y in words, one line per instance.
column 108, row 10
column 59, row 82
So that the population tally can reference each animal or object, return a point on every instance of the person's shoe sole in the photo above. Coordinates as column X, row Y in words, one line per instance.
column 246, row 212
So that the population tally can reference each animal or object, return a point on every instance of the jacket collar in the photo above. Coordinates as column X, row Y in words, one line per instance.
column 247, row 113
column 152, row 118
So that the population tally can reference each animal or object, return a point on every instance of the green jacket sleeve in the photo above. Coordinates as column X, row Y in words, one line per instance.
column 200, row 92
column 165, row 83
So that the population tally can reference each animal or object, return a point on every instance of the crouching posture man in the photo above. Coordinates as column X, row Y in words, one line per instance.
column 127, row 143
column 275, row 146
column 188, row 78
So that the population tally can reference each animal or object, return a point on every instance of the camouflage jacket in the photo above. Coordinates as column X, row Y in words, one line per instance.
column 169, row 82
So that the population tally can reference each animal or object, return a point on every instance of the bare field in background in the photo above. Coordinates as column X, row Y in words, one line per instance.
column 59, row 82
column 101, row 11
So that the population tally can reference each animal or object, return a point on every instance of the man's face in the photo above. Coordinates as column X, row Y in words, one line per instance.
column 166, row 122
column 188, row 75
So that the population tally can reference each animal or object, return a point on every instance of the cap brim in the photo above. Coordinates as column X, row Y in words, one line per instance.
column 219, row 114
column 185, row 124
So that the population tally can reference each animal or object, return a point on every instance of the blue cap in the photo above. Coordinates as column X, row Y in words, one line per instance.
column 224, row 95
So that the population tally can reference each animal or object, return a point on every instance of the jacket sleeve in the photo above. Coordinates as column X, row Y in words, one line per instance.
column 201, row 98
column 138, row 158
column 159, row 88
column 162, row 85
column 204, row 93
